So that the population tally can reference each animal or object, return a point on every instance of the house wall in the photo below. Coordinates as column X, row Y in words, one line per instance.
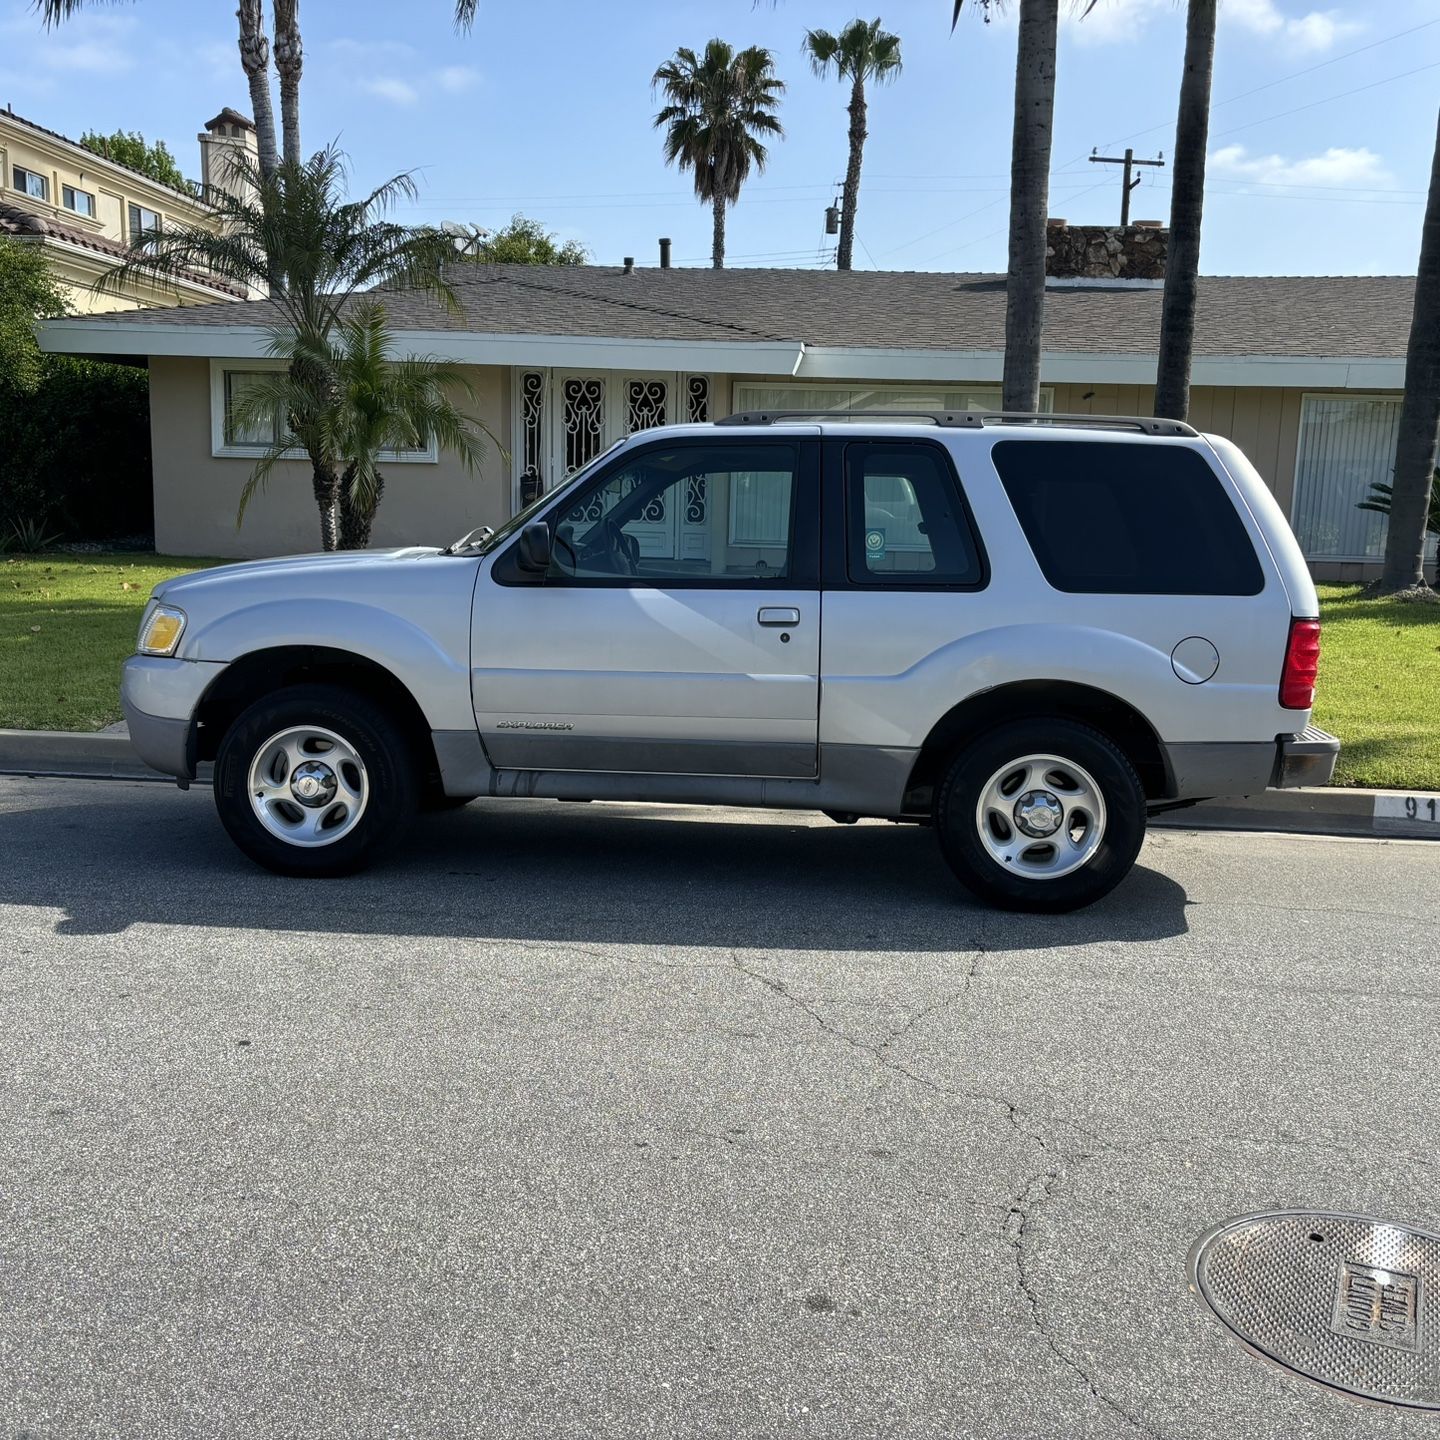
column 1263, row 422
column 197, row 493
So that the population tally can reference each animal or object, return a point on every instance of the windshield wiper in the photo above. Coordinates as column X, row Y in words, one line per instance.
column 478, row 536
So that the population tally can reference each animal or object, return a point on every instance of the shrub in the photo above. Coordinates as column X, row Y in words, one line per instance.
column 75, row 450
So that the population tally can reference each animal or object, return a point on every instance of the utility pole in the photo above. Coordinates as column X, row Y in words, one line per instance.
column 1129, row 161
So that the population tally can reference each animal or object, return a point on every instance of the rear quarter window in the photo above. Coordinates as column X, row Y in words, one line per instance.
column 1107, row 519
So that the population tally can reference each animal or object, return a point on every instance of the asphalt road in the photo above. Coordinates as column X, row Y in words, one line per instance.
column 616, row 1121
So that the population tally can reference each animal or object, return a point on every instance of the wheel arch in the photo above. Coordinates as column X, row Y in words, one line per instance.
column 1115, row 718
column 258, row 672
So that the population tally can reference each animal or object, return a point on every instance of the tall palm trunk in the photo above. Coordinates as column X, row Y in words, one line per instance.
column 851, row 196
column 1029, row 199
column 717, row 243
column 289, row 61
column 255, row 60
column 1187, row 203
column 1420, row 410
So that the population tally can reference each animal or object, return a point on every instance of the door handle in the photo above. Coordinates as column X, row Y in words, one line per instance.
column 778, row 615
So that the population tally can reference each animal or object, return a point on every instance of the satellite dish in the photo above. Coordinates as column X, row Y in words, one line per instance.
column 466, row 237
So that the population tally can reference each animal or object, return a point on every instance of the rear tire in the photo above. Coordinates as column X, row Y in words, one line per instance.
column 1041, row 815
column 315, row 780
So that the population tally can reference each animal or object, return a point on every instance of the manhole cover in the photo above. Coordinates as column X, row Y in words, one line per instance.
column 1345, row 1300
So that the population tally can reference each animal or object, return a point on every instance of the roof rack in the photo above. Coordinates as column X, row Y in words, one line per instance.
column 969, row 419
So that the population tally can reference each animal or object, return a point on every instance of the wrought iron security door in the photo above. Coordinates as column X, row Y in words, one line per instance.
column 589, row 410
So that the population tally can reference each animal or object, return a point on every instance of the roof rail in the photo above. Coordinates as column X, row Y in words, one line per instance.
column 969, row 419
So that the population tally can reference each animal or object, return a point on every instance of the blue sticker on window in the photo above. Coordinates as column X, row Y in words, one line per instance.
column 874, row 543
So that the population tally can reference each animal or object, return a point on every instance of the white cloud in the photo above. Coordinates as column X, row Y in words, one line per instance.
column 1113, row 23
column 456, row 78
column 387, row 87
column 87, row 44
column 1310, row 33
column 1337, row 166
column 372, row 51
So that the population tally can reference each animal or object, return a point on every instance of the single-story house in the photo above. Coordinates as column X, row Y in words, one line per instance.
column 1303, row 372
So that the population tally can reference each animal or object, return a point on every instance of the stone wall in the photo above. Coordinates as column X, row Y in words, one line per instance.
column 1105, row 252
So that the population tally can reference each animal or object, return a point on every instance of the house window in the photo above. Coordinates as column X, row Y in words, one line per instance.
column 82, row 202
column 258, row 434
column 823, row 399
column 27, row 182
column 229, row 436
column 142, row 220
column 1347, row 444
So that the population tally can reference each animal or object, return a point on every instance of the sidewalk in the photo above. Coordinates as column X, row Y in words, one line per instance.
column 106, row 755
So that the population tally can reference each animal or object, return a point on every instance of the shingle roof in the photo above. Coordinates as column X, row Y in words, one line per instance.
column 1306, row 315
column 24, row 225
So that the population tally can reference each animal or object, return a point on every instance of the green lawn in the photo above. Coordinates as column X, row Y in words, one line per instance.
column 1380, row 689
column 66, row 623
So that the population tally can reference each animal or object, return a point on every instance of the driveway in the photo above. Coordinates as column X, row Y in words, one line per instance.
column 584, row 1120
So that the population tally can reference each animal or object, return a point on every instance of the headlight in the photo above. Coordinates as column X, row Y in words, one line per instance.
column 160, row 630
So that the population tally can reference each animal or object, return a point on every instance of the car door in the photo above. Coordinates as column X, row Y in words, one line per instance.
column 677, row 629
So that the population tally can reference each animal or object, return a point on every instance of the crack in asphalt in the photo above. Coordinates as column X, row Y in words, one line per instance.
column 926, row 1011
column 1037, row 1190
column 1025, row 1124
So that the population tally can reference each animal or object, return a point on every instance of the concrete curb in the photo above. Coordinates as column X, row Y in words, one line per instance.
column 106, row 755
column 1328, row 810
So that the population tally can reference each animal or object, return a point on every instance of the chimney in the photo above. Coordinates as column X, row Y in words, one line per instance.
column 664, row 252
column 629, row 264
column 224, row 138
column 1104, row 254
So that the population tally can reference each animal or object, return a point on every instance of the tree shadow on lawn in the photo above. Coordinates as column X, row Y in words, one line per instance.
column 126, row 854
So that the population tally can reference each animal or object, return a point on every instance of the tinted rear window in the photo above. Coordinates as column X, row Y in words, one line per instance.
column 1127, row 519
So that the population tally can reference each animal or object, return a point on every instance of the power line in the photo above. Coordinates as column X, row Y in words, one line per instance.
column 1282, row 80
column 1343, row 94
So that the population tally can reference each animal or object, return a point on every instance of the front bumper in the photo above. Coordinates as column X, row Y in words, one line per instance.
column 1305, row 759
column 159, row 696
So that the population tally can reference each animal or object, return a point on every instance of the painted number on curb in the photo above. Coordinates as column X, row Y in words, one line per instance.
column 1413, row 809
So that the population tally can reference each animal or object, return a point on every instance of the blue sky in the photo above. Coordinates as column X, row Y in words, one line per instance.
column 1322, row 133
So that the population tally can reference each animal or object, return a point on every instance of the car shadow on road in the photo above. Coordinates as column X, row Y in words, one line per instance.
column 551, row 872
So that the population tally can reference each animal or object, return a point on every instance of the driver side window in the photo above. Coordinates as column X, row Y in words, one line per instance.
column 710, row 512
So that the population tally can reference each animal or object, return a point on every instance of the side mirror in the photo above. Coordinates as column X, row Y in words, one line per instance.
column 534, row 547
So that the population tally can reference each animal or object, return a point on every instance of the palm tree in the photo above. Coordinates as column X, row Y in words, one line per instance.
column 1419, row 412
column 861, row 52
column 294, row 234
column 1187, row 201
column 378, row 406
column 1029, row 194
column 289, row 61
column 718, row 107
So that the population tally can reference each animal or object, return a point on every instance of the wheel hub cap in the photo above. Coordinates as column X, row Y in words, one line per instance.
column 308, row 786
column 1039, row 813
column 1041, row 816
column 313, row 784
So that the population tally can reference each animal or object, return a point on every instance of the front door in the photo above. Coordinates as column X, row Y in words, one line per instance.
column 678, row 629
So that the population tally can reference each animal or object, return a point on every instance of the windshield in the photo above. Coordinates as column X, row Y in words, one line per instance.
column 484, row 544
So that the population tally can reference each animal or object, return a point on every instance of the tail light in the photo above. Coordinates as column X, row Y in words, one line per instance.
column 1302, row 665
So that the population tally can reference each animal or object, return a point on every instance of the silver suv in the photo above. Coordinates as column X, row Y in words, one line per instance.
column 1027, row 631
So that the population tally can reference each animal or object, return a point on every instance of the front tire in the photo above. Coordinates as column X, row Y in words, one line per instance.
column 1041, row 815
column 315, row 780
